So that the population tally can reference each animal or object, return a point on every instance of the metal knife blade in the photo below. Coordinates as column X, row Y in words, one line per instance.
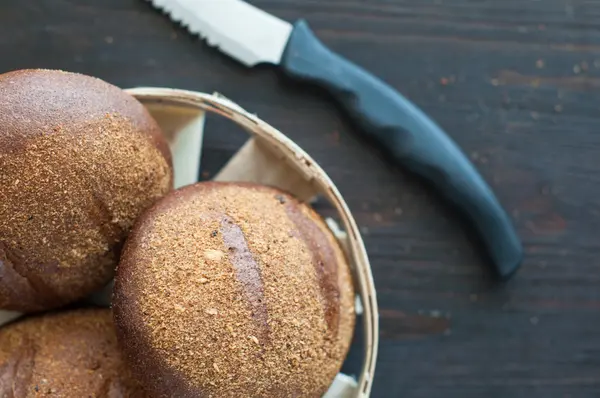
column 238, row 29
column 402, row 131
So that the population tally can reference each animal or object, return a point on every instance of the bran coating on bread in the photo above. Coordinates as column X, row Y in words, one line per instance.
column 71, row 354
column 226, row 288
column 80, row 159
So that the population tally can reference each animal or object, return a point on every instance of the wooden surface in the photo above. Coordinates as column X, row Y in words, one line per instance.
column 516, row 83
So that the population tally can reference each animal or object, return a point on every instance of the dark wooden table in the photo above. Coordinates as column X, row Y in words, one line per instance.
column 516, row 83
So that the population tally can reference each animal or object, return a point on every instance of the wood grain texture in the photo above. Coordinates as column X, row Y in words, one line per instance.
column 516, row 83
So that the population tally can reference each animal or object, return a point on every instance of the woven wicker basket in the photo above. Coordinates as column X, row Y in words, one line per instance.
column 268, row 157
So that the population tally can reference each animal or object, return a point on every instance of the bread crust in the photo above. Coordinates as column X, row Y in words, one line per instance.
column 80, row 159
column 225, row 288
column 70, row 354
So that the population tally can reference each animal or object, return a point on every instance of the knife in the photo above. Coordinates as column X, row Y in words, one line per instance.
column 402, row 131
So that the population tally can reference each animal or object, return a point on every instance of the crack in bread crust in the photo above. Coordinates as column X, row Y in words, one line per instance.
column 248, row 274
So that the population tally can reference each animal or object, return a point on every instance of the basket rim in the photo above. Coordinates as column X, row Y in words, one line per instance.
column 223, row 106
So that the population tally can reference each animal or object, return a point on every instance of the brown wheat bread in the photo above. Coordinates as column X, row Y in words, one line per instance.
column 71, row 354
column 233, row 289
column 80, row 159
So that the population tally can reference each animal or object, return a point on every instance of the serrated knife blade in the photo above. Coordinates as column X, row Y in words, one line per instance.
column 403, row 132
column 224, row 24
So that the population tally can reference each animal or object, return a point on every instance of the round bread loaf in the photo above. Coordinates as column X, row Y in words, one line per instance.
column 233, row 289
column 80, row 159
column 70, row 354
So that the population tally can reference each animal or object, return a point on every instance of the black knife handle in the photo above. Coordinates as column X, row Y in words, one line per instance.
column 409, row 137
